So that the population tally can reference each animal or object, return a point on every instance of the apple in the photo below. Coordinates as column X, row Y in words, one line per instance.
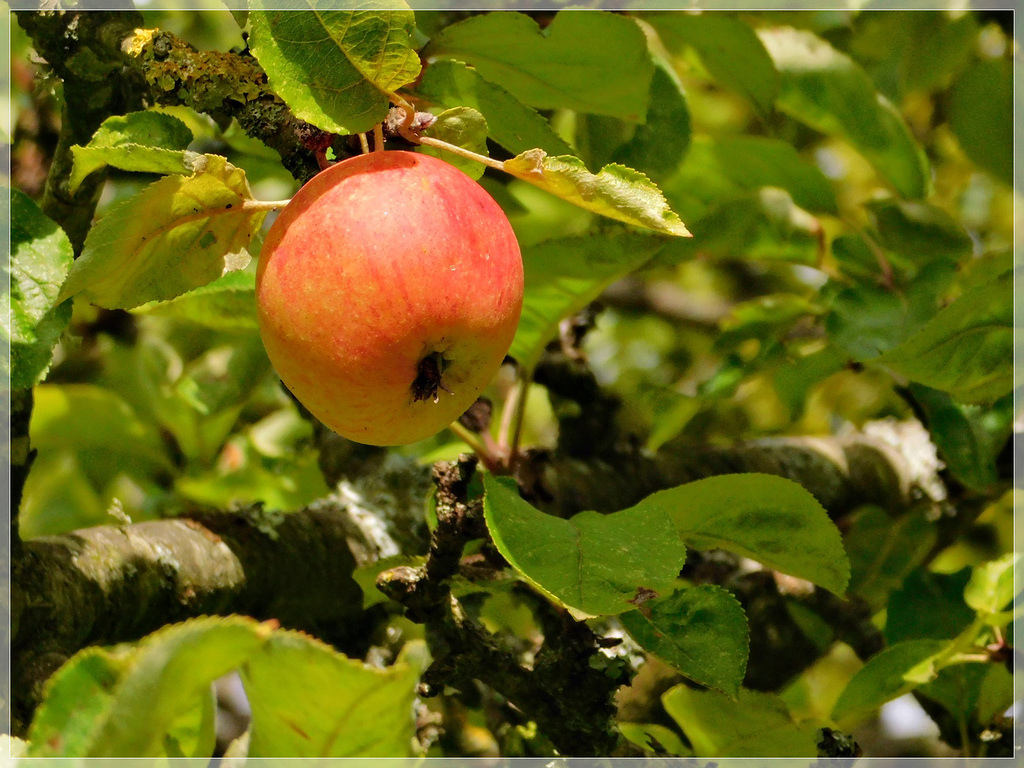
column 388, row 293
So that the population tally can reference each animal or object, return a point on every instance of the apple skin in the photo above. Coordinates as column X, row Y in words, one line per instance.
column 388, row 293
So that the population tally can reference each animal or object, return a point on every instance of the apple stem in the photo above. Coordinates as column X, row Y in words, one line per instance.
column 461, row 152
column 520, row 412
column 264, row 205
column 476, row 443
column 512, row 419
column 378, row 138
column 364, row 144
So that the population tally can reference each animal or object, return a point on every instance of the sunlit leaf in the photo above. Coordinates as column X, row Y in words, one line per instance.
column 770, row 519
column 752, row 724
column 991, row 586
column 595, row 564
column 147, row 142
column 309, row 701
column 229, row 302
column 616, row 191
column 124, row 702
column 30, row 313
column 701, row 631
column 99, row 427
column 656, row 738
column 334, row 68
column 591, row 62
column 886, row 675
column 176, row 235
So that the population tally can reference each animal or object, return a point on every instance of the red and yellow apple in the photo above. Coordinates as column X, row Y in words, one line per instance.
column 388, row 292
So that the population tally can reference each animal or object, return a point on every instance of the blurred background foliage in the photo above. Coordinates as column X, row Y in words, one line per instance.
column 804, row 257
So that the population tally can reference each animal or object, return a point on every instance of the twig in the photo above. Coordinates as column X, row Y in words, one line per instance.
column 461, row 152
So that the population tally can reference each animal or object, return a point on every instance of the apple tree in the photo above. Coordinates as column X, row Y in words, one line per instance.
column 743, row 475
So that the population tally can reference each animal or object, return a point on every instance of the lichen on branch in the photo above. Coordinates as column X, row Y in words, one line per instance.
column 223, row 85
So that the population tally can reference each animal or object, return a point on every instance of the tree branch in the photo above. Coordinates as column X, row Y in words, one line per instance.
column 111, row 584
column 223, row 85
column 841, row 473
column 569, row 698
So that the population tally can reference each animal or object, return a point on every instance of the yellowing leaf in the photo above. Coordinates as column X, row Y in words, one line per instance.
column 177, row 234
column 616, row 191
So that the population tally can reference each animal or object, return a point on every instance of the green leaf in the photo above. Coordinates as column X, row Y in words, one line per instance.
column 656, row 738
column 617, row 192
column 102, row 430
column 510, row 123
column 729, row 49
column 335, row 69
column 968, row 437
column 829, row 92
column 928, row 606
column 770, row 519
column 884, row 550
column 981, row 115
column 32, row 316
column 720, row 167
column 177, row 234
column 657, row 147
column 866, row 320
column 563, row 276
column 887, row 675
column 913, row 50
column 146, row 142
column 761, row 225
column 966, row 349
column 957, row 688
column 918, row 232
column 794, row 380
column 752, row 724
column 991, row 588
column 942, row 45
column 194, row 733
column 308, row 700
column 463, row 127
column 593, row 62
column 255, row 481
column 75, row 700
column 770, row 316
column 997, row 693
column 124, row 702
column 228, row 303
column 594, row 564
column 701, row 631
column 224, row 375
